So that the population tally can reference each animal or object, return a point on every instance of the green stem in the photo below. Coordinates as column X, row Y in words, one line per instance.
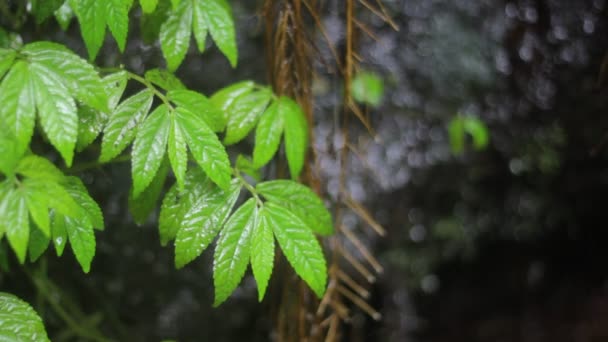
column 248, row 186
column 150, row 86
column 77, row 328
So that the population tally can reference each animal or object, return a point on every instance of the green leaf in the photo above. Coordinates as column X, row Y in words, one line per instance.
column 296, row 135
column 262, row 252
column 72, row 71
column 38, row 244
column 64, row 16
column 149, row 148
column 38, row 206
column 232, row 251
column 16, row 222
column 57, row 196
column 80, row 194
column 59, row 233
column 18, row 321
column 37, row 167
column 199, row 24
column 18, row 112
column 367, row 87
column 301, row 201
column 93, row 17
column 82, row 239
column 178, row 153
column 244, row 113
column 201, row 106
column 164, row 79
column 206, row 148
column 203, row 220
column 43, row 9
column 141, row 207
column 7, row 58
column 9, row 152
column 6, row 189
column 117, row 18
column 148, row 6
column 122, row 125
column 224, row 97
column 176, row 203
column 218, row 19
column 114, row 85
column 268, row 135
column 461, row 125
column 150, row 23
column 175, row 35
column 299, row 245
column 245, row 165
column 57, row 112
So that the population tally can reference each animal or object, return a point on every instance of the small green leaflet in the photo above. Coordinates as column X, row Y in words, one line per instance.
column 16, row 222
column 122, row 124
column 38, row 244
column 224, row 97
column 283, row 116
column 262, row 252
column 198, row 17
column 207, row 150
column 243, row 114
column 245, row 165
column 232, row 251
column 367, row 87
column 148, row 6
column 268, row 136
column 176, row 203
column 92, row 121
column 301, row 201
column 164, row 79
column 43, row 9
column 149, row 148
column 203, row 221
column 145, row 204
column 18, row 321
column 461, row 125
column 198, row 104
column 64, row 15
column 94, row 16
column 299, row 245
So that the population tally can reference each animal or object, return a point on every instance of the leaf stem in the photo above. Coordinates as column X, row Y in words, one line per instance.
column 248, row 186
column 150, row 86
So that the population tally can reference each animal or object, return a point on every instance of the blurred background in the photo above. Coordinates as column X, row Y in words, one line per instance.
column 489, row 170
